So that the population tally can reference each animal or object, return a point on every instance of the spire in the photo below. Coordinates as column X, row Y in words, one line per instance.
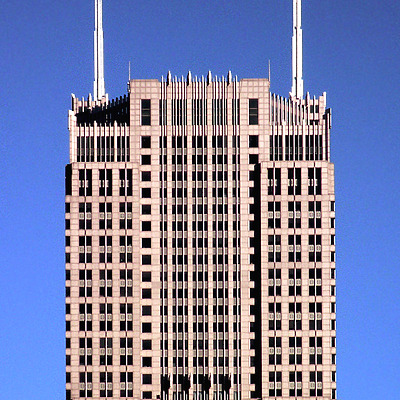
column 297, row 52
column 98, row 86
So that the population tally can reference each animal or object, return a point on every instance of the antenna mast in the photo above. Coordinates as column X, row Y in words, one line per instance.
column 98, row 85
column 297, row 52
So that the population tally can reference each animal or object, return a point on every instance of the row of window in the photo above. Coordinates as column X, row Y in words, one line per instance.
column 178, row 109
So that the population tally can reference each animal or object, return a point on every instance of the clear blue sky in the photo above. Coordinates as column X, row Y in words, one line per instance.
column 351, row 51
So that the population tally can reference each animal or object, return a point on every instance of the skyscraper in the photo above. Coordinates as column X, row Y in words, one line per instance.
column 200, row 240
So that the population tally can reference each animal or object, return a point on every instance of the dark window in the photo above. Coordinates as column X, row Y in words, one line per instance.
column 146, row 276
column 146, row 293
column 146, row 176
column 146, row 344
column 253, row 111
column 146, row 362
column 146, row 260
column 146, row 243
column 146, row 209
column 146, row 142
column 146, row 193
column 146, row 310
column 253, row 141
column 146, row 111
column 146, row 226
column 146, row 160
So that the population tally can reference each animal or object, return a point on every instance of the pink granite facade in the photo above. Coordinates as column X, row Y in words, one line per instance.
column 200, row 244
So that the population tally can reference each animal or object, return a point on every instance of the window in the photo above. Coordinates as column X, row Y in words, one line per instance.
column 106, row 388
column 126, row 282
column 146, row 311
column 105, row 182
column 85, row 249
column 274, row 181
column 146, row 226
column 314, row 181
column 147, row 395
column 146, row 380
column 146, row 176
column 146, row 276
column 85, row 351
column 146, row 160
column 253, row 111
column 125, row 215
column 85, row 283
column 219, row 112
column 126, row 351
column 106, row 351
column 85, row 182
column 274, row 214
column 275, row 384
column 294, row 181
column 314, row 214
column 294, row 214
column 146, row 209
column 146, row 193
column 105, row 216
column 294, row 282
column 295, row 356
column 146, row 259
column 275, row 316
column 85, row 387
column 253, row 140
column 105, row 249
column 146, row 243
column 146, row 345
column 146, row 293
column 146, row 362
column 295, row 316
column 126, row 384
column 125, row 182
column 105, row 282
column 85, row 216
column 275, row 351
column 146, row 326
column 146, row 112
column 85, row 317
column 125, row 311
column 314, row 248
column 178, row 112
column 274, row 282
column 295, row 384
column 105, row 317
column 125, row 249
column 146, row 141
column 294, row 248
column 274, row 248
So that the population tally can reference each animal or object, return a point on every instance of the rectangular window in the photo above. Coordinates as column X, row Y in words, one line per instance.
column 125, row 182
column 146, row 226
column 253, row 140
column 125, row 215
column 85, row 182
column 146, row 142
column 146, row 112
column 253, row 111
column 146, row 176
column 146, row 193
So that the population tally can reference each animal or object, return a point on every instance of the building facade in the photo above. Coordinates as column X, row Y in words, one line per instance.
column 200, row 244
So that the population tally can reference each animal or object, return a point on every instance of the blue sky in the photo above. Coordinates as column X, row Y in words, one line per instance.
column 351, row 51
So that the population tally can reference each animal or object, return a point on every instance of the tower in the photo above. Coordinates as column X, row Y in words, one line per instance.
column 200, row 243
